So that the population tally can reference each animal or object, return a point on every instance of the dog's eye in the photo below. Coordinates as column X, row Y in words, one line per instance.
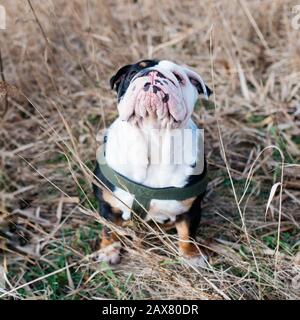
column 179, row 78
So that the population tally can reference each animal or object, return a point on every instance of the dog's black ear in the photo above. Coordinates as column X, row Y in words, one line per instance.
column 208, row 91
column 119, row 76
column 199, row 87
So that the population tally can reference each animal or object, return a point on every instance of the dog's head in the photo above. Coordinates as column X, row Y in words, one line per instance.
column 161, row 91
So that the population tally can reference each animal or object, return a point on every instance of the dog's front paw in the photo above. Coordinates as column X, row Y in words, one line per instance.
column 110, row 254
column 192, row 255
column 199, row 261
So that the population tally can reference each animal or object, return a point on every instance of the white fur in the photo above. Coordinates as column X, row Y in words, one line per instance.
column 197, row 261
column 111, row 253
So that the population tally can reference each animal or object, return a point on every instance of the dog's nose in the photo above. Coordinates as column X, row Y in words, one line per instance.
column 154, row 88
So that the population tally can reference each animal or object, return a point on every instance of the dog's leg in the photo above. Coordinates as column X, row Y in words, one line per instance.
column 186, row 227
column 110, row 246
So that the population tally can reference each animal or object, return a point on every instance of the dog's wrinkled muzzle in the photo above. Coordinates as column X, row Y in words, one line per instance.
column 153, row 94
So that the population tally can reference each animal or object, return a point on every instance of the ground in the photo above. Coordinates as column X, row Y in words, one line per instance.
column 57, row 57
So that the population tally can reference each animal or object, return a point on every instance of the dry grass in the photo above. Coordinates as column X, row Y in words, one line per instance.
column 57, row 58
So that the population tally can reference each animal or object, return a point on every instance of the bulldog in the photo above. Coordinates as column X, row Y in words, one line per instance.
column 145, row 167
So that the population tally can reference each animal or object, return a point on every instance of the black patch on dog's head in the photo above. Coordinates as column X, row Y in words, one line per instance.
column 121, row 80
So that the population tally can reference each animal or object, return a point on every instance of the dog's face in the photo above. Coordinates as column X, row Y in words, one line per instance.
column 161, row 91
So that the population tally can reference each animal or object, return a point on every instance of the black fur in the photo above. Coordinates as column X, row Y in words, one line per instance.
column 105, row 209
column 192, row 216
column 121, row 80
